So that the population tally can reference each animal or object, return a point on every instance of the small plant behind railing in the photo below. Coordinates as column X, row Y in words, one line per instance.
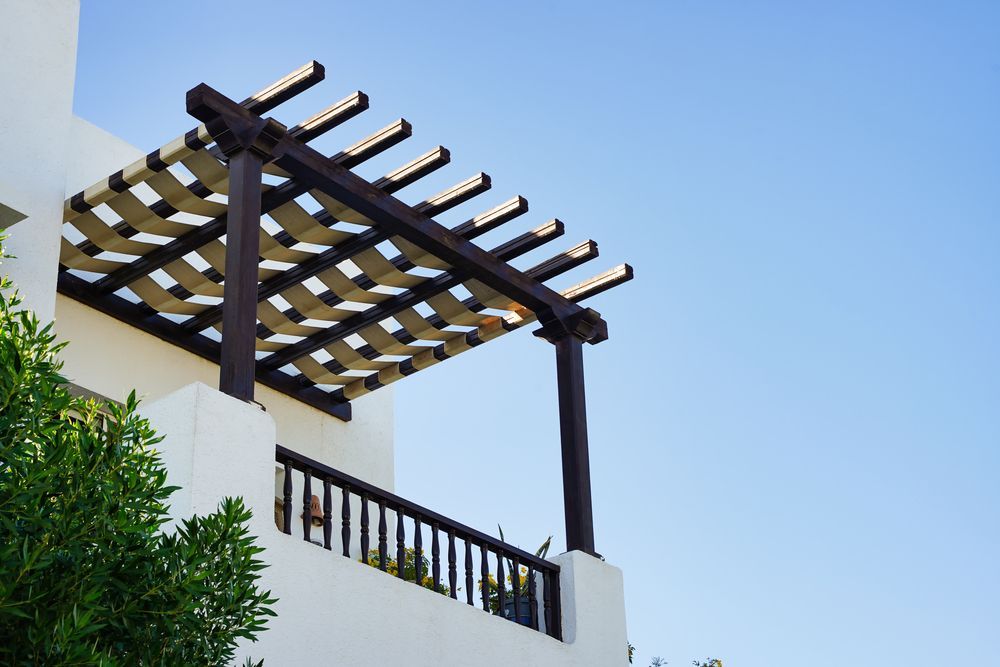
column 530, row 594
column 521, row 580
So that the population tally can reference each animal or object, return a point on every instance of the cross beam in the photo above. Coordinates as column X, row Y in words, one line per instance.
column 556, row 313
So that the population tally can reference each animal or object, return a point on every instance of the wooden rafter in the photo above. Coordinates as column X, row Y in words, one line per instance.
column 276, row 316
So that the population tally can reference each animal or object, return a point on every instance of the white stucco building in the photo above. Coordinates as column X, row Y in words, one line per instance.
column 53, row 167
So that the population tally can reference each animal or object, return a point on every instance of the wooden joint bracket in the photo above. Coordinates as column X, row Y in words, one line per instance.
column 233, row 128
column 587, row 325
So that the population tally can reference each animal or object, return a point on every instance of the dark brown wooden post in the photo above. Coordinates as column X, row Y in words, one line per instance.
column 239, row 310
column 575, row 453
column 247, row 141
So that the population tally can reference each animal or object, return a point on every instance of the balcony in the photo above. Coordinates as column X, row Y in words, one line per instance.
column 239, row 252
column 334, row 606
column 531, row 579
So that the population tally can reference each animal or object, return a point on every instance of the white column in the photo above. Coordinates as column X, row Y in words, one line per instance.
column 593, row 608
column 214, row 446
column 37, row 72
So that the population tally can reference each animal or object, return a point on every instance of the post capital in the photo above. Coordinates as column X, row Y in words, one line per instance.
column 586, row 325
column 233, row 128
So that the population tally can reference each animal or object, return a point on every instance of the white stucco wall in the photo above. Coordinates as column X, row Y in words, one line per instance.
column 37, row 71
column 337, row 611
column 110, row 358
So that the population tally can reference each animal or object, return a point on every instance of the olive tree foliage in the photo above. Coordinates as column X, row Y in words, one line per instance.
column 87, row 576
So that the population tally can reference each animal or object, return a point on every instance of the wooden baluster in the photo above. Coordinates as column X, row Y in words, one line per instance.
column 532, row 601
column 364, row 527
column 435, row 558
column 501, row 586
column 345, row 514
column 484, row 573
column 547, row 601
column 556, row 608
column 400, row 543
column 418, row 552
column 468, row 572
column 452, row 567
column 286, row 501
column 307, row 505
column 327, row 515
column 383, row 555
column 515, row 577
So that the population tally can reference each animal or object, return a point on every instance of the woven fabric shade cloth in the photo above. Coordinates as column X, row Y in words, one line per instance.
column 347, row 301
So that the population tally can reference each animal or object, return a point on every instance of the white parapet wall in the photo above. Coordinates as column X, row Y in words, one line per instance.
column 337, row 611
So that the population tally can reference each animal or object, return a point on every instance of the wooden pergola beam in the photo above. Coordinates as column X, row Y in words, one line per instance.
column 322, row 174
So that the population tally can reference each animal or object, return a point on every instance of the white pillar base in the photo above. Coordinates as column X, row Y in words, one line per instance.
column 592, row 594
column 215, row 446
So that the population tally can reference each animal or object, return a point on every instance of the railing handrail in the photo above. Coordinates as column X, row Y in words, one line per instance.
column 302, row 463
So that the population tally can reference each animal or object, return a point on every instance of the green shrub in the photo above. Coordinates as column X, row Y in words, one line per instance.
column 86, row 576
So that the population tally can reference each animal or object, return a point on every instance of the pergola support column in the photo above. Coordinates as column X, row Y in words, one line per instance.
column 247, row 145
column 239, row 312
column 575, row 450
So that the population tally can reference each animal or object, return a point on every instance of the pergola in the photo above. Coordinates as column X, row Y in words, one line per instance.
column 209, row 243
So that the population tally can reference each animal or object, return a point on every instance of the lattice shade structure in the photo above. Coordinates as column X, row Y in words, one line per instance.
column 325, row 287
column 149, row 250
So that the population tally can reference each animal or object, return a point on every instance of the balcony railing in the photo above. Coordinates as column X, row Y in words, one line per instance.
column 531, row 579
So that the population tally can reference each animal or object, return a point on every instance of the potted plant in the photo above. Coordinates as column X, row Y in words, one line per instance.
column 524, row 588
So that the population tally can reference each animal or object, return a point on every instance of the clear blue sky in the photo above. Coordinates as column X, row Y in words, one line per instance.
column 795, row 427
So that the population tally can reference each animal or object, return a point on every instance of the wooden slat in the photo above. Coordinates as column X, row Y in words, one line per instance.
column 511, row 322
column 554, row 266
column 392, row 182
column 261, row 102
column 273, row 198
column 469, row 229
column 333, row 256
column 122, row 309
column 408, row 299
column 368, row 201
